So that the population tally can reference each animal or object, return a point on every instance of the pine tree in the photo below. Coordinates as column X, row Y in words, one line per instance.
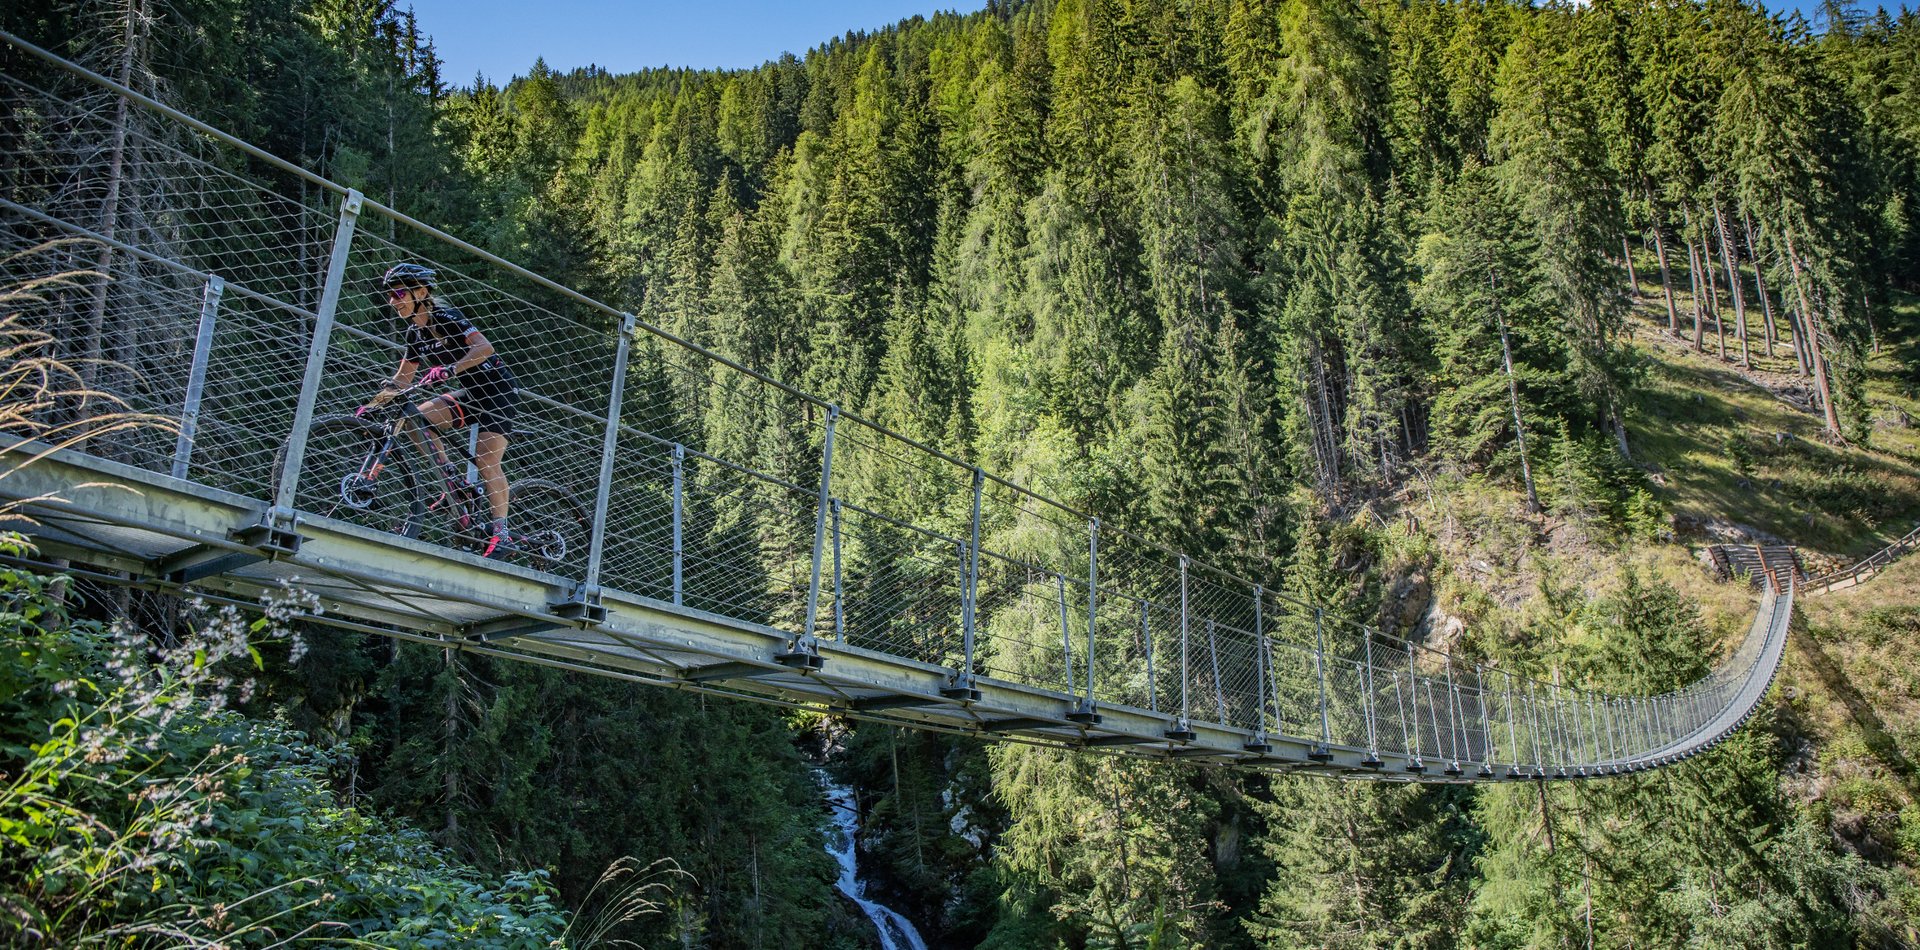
column 1501, row 354
column 1364, row 865
column 1554, row 165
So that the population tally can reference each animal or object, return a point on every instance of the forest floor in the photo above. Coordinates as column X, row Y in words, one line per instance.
column 1740, row 454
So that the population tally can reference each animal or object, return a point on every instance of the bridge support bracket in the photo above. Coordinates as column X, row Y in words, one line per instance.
column 1258, row 745
column 1320, row 753
column 802, row 657
column 1182, row 731
column 582, row 607
column 1085, row 713
column 264, row 541
column 961, row 689
column 269, row 538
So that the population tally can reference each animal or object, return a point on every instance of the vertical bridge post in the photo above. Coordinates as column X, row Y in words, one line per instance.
column 1373, row 724
column 1259, row 741
column 197, row 375
column 961, row 686
column 1488, row 745
column 596, row 547
column 1410, row 715
column 1085, row 712
column 283, row 497
column 1182, row 730
column 679, row 519
column 803, row 652
column 1325, row 750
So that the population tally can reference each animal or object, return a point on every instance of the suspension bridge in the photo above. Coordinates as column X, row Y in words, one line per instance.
column 821, row 561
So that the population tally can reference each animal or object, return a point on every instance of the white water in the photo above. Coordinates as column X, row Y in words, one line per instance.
column 896, row 932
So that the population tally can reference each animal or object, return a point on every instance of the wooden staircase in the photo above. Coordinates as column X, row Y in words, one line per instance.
column 1776, row 562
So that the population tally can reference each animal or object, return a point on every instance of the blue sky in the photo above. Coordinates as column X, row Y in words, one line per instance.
column 501, row 37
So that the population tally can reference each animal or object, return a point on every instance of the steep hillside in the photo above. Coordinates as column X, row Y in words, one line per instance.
column 1854, row 693
column 1740, row 454
column 1729, row 456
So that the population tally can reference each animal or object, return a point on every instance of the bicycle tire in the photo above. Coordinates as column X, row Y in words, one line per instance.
column 550, row 526
column 332, row 484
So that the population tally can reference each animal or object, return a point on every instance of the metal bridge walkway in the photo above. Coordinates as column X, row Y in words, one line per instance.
column 736, row 536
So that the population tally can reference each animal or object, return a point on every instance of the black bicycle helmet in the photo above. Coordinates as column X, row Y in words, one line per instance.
column 407, row 275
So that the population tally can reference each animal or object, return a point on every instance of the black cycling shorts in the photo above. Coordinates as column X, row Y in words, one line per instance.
column 489, row 402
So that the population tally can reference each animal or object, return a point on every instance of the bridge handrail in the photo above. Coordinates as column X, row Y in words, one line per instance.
column 1870, row 565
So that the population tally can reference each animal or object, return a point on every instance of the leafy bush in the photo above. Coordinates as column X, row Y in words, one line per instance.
column 139, row 810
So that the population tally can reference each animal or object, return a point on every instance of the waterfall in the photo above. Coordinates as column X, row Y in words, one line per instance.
column 896, row 931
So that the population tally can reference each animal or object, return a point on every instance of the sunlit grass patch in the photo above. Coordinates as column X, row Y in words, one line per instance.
column 1730, row 452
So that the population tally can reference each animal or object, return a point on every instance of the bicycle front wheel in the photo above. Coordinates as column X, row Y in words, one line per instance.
column 347, row 475
column 550, row 525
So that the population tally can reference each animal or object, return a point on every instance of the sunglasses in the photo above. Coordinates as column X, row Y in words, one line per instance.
column 398, row 294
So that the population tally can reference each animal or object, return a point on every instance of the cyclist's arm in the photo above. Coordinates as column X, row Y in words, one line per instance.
column 402, row 378
column 478, row 351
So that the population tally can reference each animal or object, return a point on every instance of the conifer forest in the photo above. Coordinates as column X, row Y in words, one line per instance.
column 1476, row 321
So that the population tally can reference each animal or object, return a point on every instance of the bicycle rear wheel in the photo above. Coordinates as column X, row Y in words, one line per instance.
column 551, row 527
column 344, row 476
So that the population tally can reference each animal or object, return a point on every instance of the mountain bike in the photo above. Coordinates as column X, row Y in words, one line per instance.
column 369, row 469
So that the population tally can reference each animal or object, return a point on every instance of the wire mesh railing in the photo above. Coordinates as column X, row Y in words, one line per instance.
column 228, row 290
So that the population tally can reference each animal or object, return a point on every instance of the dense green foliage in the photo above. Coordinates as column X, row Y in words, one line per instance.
column 137, row 810
column 1225, row 272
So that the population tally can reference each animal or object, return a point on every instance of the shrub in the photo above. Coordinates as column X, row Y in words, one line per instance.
column 140, row 810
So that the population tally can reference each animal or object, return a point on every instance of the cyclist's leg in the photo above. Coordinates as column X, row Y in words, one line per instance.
column 493, row 405
column 441, row 413
column 492, row 448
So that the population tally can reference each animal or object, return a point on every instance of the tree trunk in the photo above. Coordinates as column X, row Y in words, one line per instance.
column 1812, row 323
column 1633, row 279
column 94, row 330
column 1513, row 394
column 1873, row 332
column 1801, row 365
column 1714, row 312
column 1666, row 277
column 1693, row 284
column 1713, row 293
column 1324, row 432
column 1759, row 279
column 1730, row 254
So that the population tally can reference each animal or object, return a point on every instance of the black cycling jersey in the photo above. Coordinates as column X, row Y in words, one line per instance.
column 489, row 397
column 443, row 340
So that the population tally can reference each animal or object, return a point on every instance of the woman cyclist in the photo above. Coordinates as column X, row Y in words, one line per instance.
column 440, row 338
